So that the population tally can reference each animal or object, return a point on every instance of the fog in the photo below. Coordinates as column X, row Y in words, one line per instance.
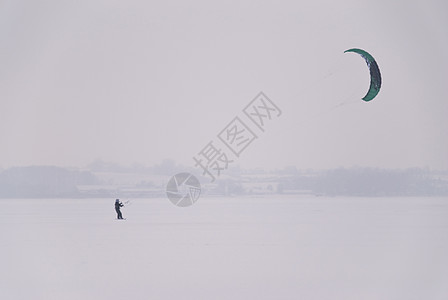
column 320, row 195
column 141, row 81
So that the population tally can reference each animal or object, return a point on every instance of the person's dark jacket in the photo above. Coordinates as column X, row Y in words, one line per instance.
column 118, row 205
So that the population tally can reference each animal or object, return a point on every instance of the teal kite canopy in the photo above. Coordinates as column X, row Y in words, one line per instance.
column 375, row 75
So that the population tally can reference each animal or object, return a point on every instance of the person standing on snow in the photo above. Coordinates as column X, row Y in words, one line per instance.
column 118, row 205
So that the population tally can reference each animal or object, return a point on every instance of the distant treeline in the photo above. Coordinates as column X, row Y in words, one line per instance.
column 370, row 182
column 51, row 182
column 43, row 182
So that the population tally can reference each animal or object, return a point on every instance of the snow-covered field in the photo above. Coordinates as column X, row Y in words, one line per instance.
column 226, row 248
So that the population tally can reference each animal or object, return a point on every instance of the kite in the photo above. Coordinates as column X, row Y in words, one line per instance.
column 375, row 75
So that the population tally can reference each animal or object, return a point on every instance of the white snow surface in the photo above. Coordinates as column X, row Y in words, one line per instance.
column 272, row 247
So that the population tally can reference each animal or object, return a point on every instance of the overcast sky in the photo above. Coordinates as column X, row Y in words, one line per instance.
column 140, row 81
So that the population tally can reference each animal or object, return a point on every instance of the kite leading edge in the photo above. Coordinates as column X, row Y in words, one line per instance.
column 375, row 75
